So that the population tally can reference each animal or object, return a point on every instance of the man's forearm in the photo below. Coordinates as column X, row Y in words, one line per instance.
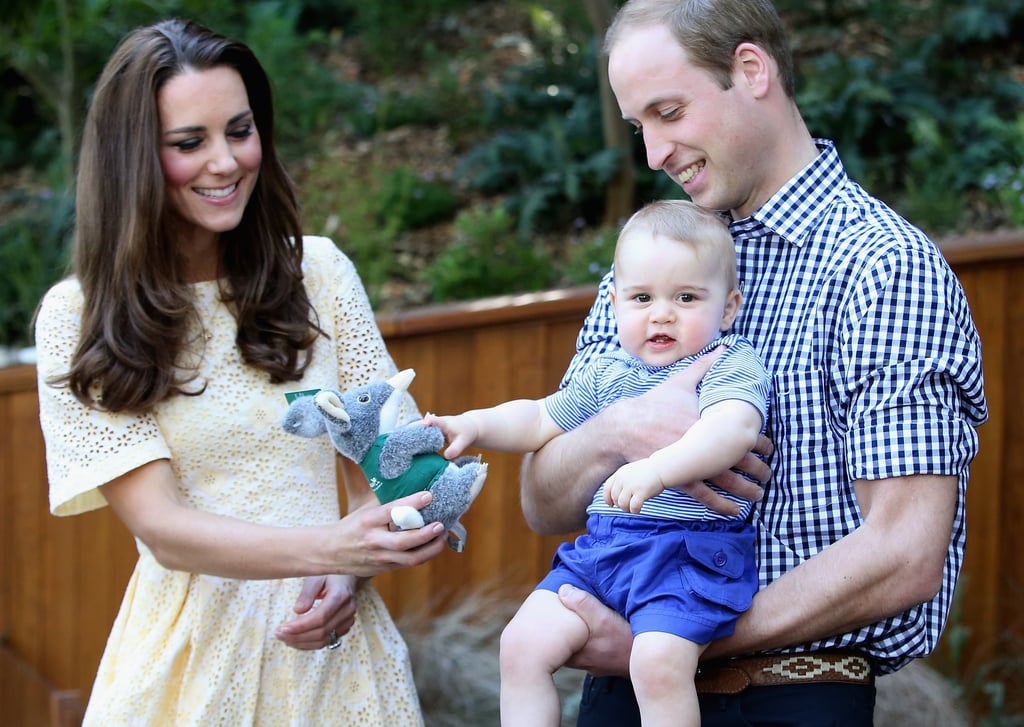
column 559, row 480
column 892, row 562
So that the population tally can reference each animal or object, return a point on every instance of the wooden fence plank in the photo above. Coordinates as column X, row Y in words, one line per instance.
column 61, row 579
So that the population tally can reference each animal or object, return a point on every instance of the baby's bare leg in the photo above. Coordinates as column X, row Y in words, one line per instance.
column 662, row 667
column 538, row 640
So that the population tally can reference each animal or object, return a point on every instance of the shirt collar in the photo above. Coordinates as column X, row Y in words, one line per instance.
column 793, row 212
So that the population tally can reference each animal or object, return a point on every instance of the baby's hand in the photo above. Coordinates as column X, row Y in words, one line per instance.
column 633, row 484
column 459, row 430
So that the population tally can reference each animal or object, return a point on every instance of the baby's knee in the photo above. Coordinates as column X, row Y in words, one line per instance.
column 524, row 647
column 661, row 662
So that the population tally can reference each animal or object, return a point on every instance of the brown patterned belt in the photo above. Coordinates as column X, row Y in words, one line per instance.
column 735, row 675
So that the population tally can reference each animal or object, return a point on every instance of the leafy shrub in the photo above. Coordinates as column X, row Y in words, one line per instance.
column 487, row 258
column 917, row 115
column 1006, row 182
column 404, row 200
column 547, row 158
column 34, row 249
column 590, row 256
column 394, row 34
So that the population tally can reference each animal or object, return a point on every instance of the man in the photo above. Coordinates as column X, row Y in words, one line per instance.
column 877, row 385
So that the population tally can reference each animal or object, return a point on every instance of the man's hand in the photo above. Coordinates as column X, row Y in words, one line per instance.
column 607, row 650
column 665, row 413
column 559, row 480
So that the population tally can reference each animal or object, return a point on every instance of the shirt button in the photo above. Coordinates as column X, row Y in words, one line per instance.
column 720, row 559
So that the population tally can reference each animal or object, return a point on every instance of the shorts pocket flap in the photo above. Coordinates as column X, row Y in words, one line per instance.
column 717, row 554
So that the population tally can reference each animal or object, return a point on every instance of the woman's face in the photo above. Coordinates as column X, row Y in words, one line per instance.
column 210, row 152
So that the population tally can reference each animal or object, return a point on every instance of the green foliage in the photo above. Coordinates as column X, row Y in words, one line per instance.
column 924, row 98
column 547, row 157
column 395, row 34
column 545, row 184
column 487, row 258
column 366, row 208
column 307, row 97
column 404, row 200
column 590, row 256
column 917, row 115
column 1007, row 183
column 341, row 204
column 34, row 247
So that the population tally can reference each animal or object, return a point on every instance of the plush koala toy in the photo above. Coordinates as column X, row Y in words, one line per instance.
column 398, row 461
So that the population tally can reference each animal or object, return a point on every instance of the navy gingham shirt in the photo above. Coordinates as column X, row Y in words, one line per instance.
column 876, row 373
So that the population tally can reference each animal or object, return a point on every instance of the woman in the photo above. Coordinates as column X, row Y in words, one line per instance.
column 195, row 306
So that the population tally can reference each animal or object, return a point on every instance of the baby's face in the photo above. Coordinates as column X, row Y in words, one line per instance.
column 669, row 303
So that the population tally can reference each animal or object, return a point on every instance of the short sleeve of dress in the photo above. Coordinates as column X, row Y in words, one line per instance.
column 85, row 447
column 337, row 291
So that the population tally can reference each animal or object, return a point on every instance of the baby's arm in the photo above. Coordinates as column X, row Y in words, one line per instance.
column 520, row 425
column 722, row 435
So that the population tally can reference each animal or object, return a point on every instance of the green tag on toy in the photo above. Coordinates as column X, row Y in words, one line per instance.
column 293, row 395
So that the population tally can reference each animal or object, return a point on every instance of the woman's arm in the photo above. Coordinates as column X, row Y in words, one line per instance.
column 327, row 604
column 148, row 502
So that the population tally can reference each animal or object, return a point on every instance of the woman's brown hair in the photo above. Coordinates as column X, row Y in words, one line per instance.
column 138, row 307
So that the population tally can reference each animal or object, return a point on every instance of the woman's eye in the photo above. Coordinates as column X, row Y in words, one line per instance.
column 187, row 144
column 241, row 132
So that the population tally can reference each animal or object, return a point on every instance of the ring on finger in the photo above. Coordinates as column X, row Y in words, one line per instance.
column 335, row 641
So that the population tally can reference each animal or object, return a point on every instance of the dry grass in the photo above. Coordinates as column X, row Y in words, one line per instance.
column 455, row 662
column 917, row 695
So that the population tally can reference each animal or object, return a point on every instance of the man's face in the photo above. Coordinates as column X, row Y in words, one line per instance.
column 693, row 129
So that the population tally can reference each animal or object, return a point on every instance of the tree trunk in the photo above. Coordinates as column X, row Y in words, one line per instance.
column 619, row 194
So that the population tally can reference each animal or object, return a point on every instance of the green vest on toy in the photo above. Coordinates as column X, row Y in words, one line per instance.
column 425, row 468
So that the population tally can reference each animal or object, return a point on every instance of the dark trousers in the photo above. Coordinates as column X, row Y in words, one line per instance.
column 610, row 702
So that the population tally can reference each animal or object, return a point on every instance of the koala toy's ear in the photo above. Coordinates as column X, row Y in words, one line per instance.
column 303, row 418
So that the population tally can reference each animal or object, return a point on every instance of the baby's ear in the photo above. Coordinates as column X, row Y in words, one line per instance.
column 732, row 309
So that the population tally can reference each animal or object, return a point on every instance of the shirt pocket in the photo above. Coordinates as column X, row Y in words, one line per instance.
column 809, row 462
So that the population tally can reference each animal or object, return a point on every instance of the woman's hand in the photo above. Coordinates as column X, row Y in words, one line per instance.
column 326, row 609
column 364, row 544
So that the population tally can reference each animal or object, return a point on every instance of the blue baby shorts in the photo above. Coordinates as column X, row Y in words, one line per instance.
column 688, row 578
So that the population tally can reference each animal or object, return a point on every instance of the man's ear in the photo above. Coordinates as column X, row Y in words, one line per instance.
column 732, row 309
column 752, row 66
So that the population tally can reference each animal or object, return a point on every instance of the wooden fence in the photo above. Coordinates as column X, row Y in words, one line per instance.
column 61, row 579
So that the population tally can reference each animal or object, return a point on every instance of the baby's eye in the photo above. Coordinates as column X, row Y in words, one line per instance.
column 685, row 298
column 642, row 298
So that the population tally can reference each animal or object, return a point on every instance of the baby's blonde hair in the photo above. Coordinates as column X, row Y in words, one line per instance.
column 677, row 219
